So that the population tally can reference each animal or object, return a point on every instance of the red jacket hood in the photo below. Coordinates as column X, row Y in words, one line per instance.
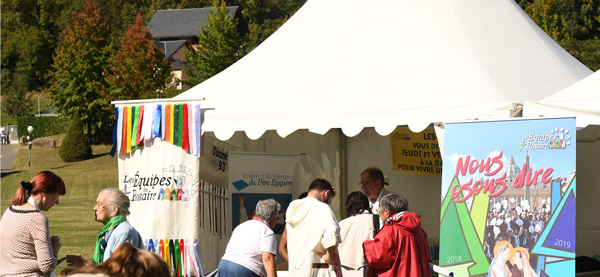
column 407, row 220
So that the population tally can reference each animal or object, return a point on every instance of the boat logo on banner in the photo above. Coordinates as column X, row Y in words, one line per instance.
column 174, row 183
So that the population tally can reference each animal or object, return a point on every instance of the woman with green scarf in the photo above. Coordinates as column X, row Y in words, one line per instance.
column 111, row 208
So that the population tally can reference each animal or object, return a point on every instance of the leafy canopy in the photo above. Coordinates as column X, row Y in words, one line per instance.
column 79, row 63
column 220, row 46
column 138, row 70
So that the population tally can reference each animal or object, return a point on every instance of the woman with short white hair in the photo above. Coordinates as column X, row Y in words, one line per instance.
column 252, row 247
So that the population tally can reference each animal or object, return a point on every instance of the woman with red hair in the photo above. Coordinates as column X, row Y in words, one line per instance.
column 27, row 249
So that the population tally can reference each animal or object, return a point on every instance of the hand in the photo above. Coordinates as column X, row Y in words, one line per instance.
column 76, row 261
column 325, row 256
column 55, row 242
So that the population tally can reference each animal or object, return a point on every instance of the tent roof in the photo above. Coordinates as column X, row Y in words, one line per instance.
column 352, row 64
column 580, row 99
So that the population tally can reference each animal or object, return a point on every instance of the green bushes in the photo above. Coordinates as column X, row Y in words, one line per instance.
column 42, row 126
column 75, row 146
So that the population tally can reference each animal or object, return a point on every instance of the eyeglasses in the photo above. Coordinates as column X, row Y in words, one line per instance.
column 366, row 183
column 100, row 204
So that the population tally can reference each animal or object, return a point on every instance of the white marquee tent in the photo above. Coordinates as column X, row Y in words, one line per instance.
column 339, row 76
column 581, row 98
column 355, row 64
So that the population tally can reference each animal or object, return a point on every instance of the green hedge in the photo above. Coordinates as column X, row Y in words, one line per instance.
column 42, row 126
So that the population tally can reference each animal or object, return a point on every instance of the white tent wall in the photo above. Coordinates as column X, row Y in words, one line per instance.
column 324, row 156
column 423, row 192
column 320, row 159
column 588, row 196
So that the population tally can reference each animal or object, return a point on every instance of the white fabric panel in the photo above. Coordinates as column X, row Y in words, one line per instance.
column 352, row 64
column 171, row 219
column 580, row 99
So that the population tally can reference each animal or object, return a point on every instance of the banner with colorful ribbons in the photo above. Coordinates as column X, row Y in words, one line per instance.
column 182, row 255
column 178, row 124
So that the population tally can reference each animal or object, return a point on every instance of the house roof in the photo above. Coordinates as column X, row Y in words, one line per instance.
column 169, row 47
column 181, row 22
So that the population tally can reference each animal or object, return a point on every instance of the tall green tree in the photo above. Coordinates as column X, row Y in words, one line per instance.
column 220, row 46
column 264, row 17
column 16, row 101
column 138, row 69
column 79, row 63
column 30, row 29
column 547, row 15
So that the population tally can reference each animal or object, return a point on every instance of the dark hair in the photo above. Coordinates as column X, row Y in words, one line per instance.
column 303, row 195
column 375, row 173
column 45, row 181
column 128, row 261
column 320, row 184
column 394, row 203
column 357, row 203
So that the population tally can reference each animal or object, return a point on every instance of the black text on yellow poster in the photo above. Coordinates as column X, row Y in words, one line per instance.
column 416, row 152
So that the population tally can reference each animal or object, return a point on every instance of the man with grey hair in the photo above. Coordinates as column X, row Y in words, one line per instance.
column 401, row 247
column 252, row 247
column 111, row 208
column 372, row 183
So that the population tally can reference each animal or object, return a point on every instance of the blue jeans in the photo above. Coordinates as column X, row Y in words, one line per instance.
column 231, row 269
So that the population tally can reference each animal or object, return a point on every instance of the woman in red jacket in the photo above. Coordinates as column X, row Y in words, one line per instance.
column 400, row 248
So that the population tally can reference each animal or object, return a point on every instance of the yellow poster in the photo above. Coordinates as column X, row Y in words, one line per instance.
column 417, row 153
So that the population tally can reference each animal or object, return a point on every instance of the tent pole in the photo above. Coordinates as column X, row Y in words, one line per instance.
column 342, row 150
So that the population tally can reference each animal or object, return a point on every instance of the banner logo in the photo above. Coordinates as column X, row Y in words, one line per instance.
column 558, row 138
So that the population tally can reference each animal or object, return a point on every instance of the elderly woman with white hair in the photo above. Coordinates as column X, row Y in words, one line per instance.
column 252, row 247
column 111, row 209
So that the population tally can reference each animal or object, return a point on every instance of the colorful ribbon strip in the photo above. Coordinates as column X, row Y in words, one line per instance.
column 177, row 124
column 181, row 255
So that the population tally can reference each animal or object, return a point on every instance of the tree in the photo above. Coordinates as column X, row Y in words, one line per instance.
column 266, row 16
column 16, row 100
column 219, row 46
column 138, row 69
column 545, row 13
column 75, row 147
column 29, row 36
column 79, row 63
column 586, row 51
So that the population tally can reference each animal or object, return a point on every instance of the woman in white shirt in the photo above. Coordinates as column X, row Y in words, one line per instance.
column 252, row 247
column 355, row 229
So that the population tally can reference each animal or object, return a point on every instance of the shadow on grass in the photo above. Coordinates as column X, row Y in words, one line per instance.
column 62, row 166
column 99, row 155
column 4, row 174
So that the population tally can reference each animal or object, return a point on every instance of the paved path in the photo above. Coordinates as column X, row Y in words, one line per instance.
column 7, row 156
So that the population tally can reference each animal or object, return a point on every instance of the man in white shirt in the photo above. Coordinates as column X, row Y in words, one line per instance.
column 313, row 233
column 372, row 184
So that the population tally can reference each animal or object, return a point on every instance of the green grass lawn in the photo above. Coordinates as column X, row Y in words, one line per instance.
column 73, row 219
